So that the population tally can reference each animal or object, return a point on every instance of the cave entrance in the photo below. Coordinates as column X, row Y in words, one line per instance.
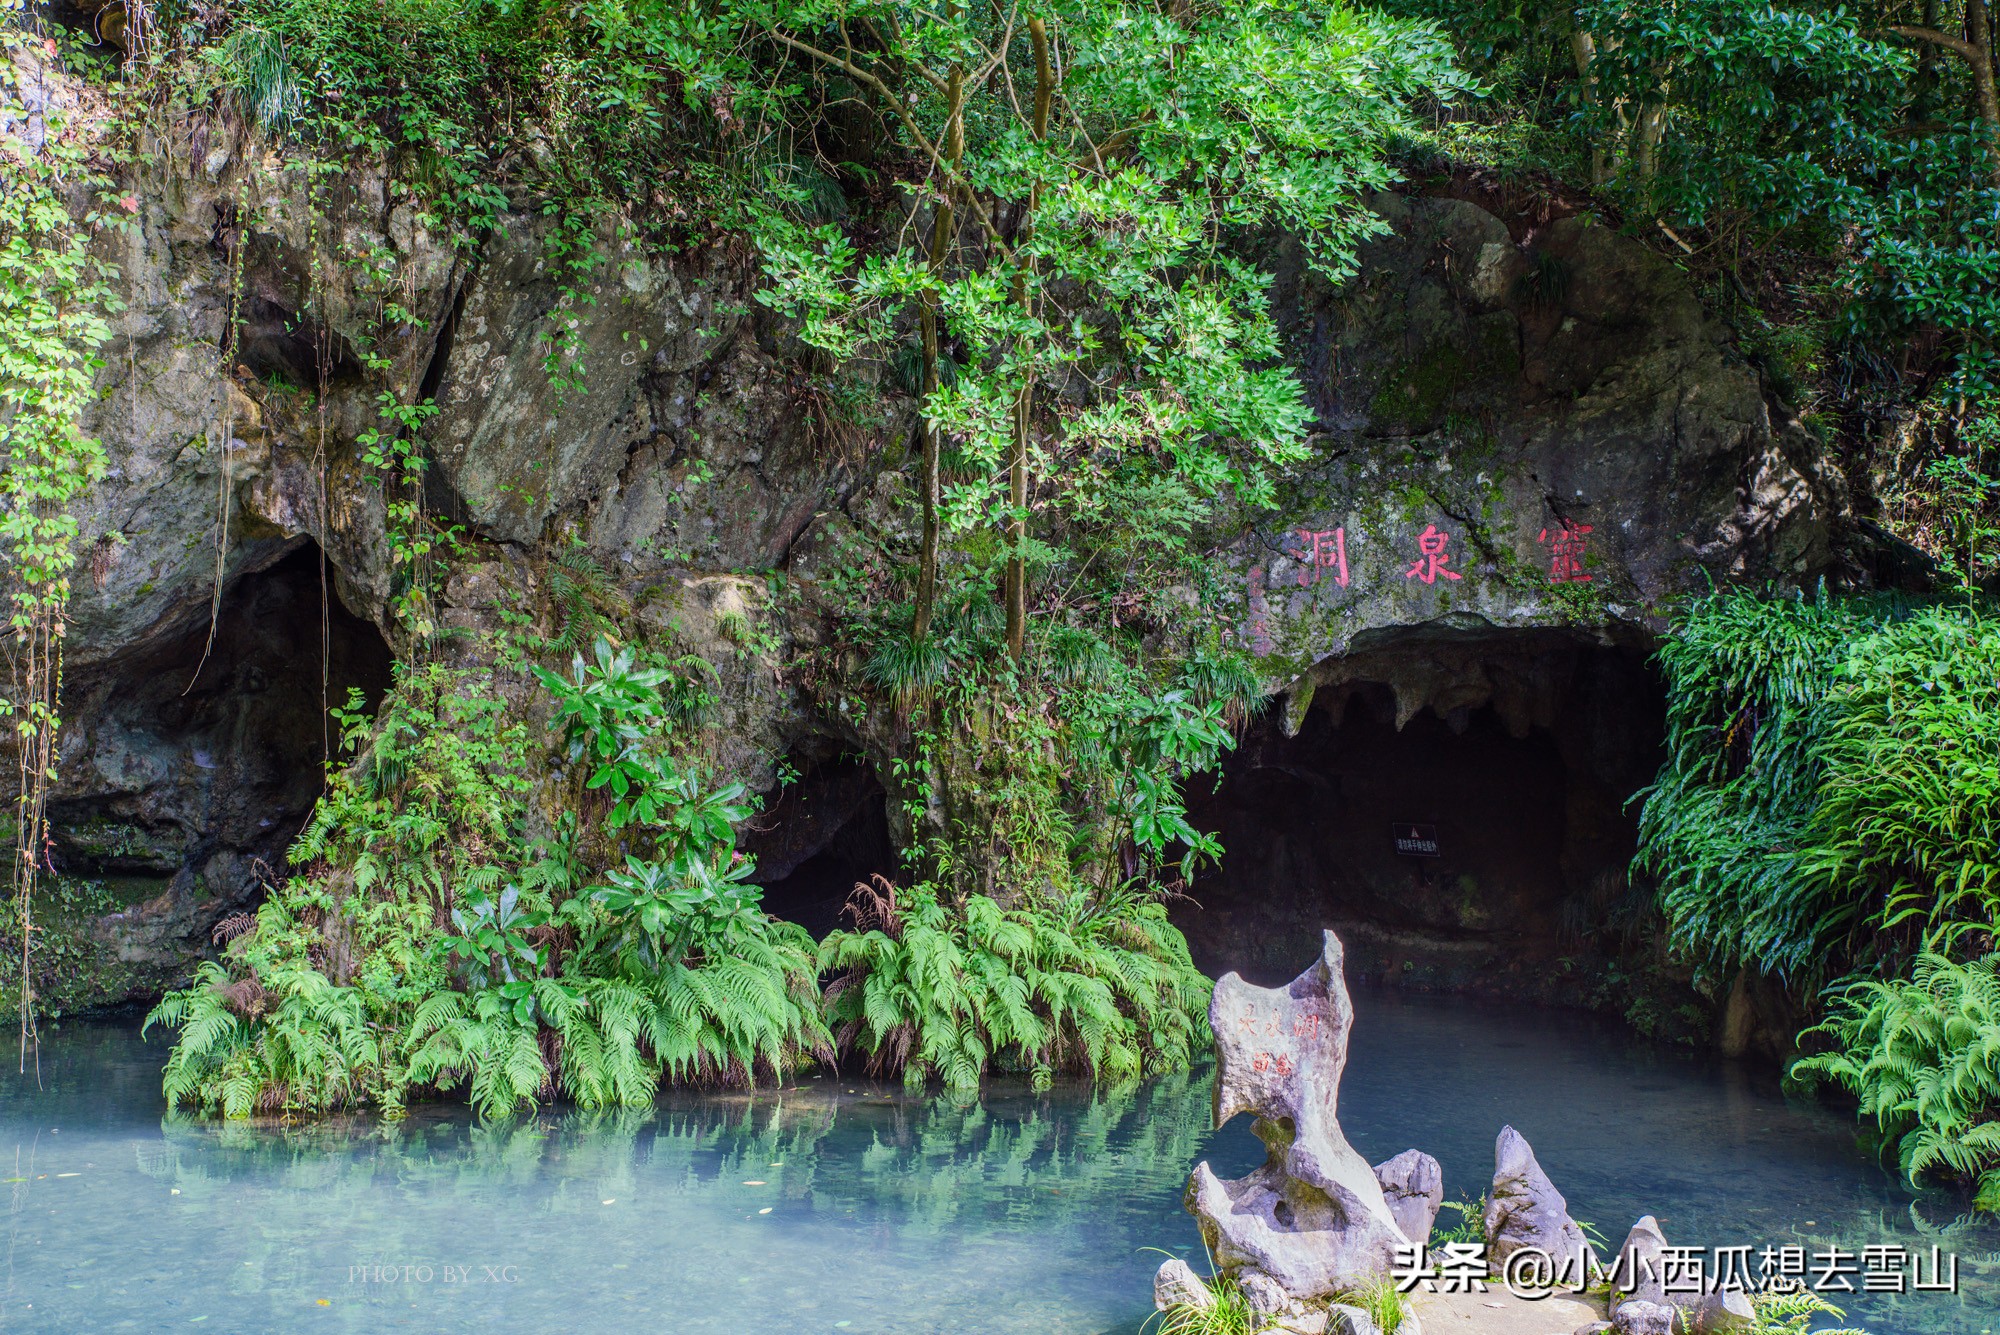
column 1514, row 754
column 206, row 760
column 818, row 837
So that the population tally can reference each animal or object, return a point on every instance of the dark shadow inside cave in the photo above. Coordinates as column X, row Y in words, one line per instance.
column 211, row 767
column 817, row 837
column 1518, row 751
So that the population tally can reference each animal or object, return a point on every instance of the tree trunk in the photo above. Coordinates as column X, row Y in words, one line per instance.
column 943, row 223
column 1584, row 48
column 1024, row 401
column 1976, row 49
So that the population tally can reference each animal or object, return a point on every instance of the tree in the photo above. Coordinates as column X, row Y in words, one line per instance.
column 1078, row 190
column 1823, row 124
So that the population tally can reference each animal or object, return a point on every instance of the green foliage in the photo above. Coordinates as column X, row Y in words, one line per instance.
column 55, row 294
column 1923, row 1057
column 1724, row 823
column 1777, row 1312
column 551, row 976
column 1047, row 801
column 290, row 1041
column 1909, row 805
column 1096, row 352
column 1471, row 1225
column 1828, row 126
column 1832, row 788
column 458, row 91
column 1100, row 986
column 418, row 543
column 1382, row 1300
column 1830, row 802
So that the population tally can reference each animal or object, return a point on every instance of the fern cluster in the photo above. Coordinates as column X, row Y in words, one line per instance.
column 1105, row 988
column 1831, row 805
column 431, row 944
column 1724, row 824
column 1923, row 1057
column 1832, row 786
column 1046, row 799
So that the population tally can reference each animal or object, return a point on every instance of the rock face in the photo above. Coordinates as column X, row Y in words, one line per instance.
column 1525, row 1210
column 1413, row 1185
column 1313, row 1220
column 1523, row 427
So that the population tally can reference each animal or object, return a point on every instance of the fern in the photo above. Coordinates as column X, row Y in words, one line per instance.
column 1923, row 1058
column 952, row 996
column 353, row 989
column 1831, row 793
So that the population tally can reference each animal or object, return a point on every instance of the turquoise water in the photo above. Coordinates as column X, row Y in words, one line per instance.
column 844, row 1206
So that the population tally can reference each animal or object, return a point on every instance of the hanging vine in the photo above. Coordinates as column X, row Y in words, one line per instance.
column 55, row 296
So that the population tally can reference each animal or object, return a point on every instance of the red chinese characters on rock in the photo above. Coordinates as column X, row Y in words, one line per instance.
column 1316, row 550
column 1432, row 559
column 1268, row 1025
column 1253, row 1024
column 1566, row 545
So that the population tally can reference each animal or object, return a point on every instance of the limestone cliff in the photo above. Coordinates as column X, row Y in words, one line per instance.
column 1523, row 427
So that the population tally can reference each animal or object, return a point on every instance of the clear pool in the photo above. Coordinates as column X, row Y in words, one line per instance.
column 846, row 1206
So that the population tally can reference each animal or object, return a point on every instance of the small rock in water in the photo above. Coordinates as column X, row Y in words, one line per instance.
column 1643, row 1318
column 1343, row 1319
column 1592, row 1328
column 1177, row 1285
column 1637, row 1271
column 1724, row 1312
column 1413, row 1185
column 1526, row 1210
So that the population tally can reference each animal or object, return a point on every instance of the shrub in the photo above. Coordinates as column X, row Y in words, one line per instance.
column 431, row 944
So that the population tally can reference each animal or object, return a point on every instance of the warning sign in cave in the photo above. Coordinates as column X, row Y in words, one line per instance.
column 1415, row 841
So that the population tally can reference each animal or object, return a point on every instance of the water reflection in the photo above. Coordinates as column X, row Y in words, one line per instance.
column 846, row 1206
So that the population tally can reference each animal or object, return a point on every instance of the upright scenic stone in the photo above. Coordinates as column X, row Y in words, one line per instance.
column 1312, row 1221
column 1637, row 1272
column 1526, row 1210
column 1413, row 1185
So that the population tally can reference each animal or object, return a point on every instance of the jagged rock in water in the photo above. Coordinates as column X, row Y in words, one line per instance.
column 1526, row 1210
column 1643, row 1318
column 1312, row 1221
column 1637, row 1271
column 1177, row 1285
column 1723, row 1312
column 1413, row 1185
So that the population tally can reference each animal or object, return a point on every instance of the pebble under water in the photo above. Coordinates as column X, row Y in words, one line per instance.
column 848, row 1206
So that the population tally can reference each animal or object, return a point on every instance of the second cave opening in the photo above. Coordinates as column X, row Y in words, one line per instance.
column 1507, row 760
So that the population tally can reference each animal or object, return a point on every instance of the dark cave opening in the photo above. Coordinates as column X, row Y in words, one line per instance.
column 279, row 345
column 818, row 837
column 206, row 760
column 1516, row 753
